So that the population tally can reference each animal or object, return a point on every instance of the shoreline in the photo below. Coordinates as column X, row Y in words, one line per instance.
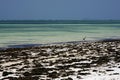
column 55, row 43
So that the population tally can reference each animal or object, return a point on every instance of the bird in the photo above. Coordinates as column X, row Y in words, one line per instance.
column 84, row 38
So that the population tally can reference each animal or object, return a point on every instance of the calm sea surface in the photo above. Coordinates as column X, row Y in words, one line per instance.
column 14, row 34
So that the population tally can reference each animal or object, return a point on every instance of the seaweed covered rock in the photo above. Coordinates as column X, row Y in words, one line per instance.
column 5, row 73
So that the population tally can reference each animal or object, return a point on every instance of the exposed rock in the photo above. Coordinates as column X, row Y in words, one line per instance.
column 27, row 74
column 5, row 73
column 53, row 74
column 61, row 61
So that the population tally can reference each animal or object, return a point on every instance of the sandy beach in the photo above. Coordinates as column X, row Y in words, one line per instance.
column 65, row 61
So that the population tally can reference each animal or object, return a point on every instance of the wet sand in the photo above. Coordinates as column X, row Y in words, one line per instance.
column 99, row 60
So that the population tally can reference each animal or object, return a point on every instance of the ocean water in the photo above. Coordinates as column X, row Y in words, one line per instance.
column 16, row 34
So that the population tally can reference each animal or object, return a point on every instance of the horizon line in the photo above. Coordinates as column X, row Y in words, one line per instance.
column 58, row 19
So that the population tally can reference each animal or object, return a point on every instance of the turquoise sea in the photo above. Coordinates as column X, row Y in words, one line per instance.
column 16, row 33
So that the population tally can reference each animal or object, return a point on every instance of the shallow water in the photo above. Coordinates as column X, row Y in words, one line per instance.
column 14, row 34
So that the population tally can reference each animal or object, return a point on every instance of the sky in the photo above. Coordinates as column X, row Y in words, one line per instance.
column 59, row 9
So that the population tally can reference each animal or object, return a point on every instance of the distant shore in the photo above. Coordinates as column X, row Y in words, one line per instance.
column 59, row 21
